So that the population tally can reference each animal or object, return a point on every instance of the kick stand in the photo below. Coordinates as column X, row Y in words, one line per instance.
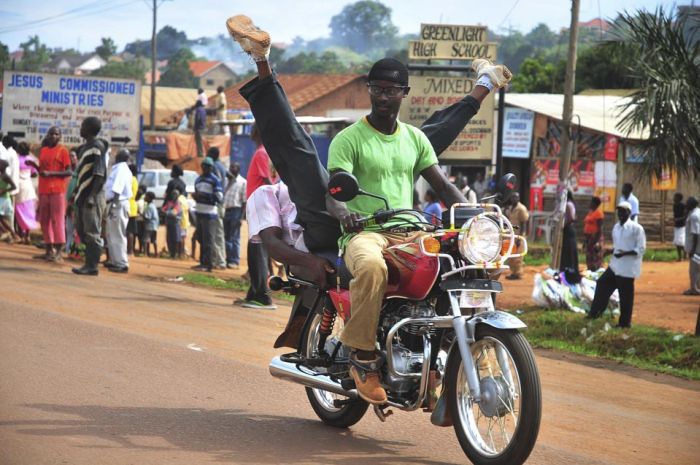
column 381, row 414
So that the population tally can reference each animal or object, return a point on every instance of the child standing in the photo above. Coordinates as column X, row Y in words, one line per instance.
column 173, row 217
column 151, row 223
column 6, row 209
column 184, row 222
column 140, row 208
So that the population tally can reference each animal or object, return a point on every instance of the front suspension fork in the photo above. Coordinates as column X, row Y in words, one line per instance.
column 465, row 336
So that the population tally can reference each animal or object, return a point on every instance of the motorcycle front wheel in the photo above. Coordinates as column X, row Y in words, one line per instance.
column 502, row 428
column 323, row 401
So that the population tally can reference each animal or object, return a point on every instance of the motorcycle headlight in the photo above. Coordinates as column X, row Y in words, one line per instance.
column 481, row 241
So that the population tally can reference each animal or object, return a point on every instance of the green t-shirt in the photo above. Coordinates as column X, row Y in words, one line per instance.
column 385, row 165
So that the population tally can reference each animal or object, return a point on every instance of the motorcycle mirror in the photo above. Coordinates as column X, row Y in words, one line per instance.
column 507, row 185
column 343, row 186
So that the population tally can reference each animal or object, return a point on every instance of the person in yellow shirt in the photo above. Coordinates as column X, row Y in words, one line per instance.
column 133, row 212
column 184, row 223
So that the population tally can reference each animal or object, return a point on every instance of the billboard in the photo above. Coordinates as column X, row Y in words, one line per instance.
column 431, row 93
column 517, row 132
column 33, row 102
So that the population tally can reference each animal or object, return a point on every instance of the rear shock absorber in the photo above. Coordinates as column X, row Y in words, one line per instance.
column 326, row 327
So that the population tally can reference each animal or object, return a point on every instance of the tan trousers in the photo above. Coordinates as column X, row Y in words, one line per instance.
column 363, row 257
column 516, row 265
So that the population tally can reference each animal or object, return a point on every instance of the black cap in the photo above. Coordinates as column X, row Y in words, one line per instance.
column 389, row 69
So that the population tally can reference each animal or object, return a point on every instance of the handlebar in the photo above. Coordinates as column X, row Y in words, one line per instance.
column 380, row 216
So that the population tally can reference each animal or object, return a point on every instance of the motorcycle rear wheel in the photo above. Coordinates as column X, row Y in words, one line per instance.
column 503, row 428
column 322, row 401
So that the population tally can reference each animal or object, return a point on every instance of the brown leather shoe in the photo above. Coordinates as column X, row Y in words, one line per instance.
column 366, row 376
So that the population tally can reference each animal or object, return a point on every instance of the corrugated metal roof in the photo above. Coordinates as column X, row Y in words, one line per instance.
column 597, row 112
column 170, row 102
column 301, row 89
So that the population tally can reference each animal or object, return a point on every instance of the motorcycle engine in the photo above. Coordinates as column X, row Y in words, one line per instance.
column 407, row 347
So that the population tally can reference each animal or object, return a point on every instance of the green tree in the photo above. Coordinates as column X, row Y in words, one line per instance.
column 135, row 69
column 107, row 48
column 363, row 26
column 667, row 103
column 178, row 73
column 35, row 54
column 514, row 49
column 541, row 37
column 168, row 42
column 604, row 67
column 5, row 62
column 536, row 76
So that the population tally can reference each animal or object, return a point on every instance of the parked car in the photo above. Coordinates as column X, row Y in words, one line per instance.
column 156, row 180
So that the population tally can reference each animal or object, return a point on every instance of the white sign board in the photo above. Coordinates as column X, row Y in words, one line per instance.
column 33, row 102
column 517, row 132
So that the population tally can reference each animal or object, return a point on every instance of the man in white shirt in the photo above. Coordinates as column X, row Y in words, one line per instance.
column 692, row 245
column 202, row 97
column 117, row 195
column 271, row 219
column 628, row 196
column 234, row 203
column 480, row 185
column 629, row 243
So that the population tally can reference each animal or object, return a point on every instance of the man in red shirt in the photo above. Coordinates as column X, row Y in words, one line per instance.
column 259, row 169
column 259, row 174
column 54, row 168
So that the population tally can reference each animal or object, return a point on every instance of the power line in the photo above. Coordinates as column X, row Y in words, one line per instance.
column 64, row 17
column 508, row 14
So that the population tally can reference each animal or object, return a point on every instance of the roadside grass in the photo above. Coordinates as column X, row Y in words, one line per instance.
column 538, row 257
column 646, row 347
column 232, row 284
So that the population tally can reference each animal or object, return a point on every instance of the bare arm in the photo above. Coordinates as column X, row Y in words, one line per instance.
column 340, row 211
column 445, row 190
column 283, row 252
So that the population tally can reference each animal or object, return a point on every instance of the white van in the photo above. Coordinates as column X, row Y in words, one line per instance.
column 157, row 180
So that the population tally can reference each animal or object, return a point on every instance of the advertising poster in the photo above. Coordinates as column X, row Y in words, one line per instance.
column 517, row 132
column 545, row 175
column 667, row 181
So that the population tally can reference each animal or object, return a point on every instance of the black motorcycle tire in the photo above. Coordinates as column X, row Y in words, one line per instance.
column 526, row 432
column 345, row 416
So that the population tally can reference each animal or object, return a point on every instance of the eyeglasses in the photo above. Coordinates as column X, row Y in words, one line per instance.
column 391, row 92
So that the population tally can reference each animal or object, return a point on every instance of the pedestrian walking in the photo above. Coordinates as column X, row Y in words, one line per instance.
column 25, row 200
column 172, row 210
column 593, row 235
column 692, row 245
column 569, row 246
column 54, row 168
column 89, row 193
column 234, row 206
column 6, row 209
column 117, row 194
column 151, row 222
column 518, row 215
column 629, row 243
column 208, row 195
column 679, row 217
column 220, row 171
column 133, row 211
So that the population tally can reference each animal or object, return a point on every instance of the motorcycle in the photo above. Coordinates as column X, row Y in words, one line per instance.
column 446, row 348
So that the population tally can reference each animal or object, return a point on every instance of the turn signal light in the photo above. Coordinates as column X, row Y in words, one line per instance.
column 506, row 246
column 431, row 245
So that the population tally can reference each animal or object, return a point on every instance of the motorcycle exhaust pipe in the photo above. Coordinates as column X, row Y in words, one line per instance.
column 290, row 372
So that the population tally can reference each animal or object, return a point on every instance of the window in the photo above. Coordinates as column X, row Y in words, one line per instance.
column 148, row 179
column 210, row 82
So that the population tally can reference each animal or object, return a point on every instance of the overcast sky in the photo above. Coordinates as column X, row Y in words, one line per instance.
column 81, row 23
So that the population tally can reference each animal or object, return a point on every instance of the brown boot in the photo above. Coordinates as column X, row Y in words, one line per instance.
column 365, row 373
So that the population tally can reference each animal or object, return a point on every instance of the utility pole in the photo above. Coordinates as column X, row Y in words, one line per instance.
column 154, row 59
column 566, row 144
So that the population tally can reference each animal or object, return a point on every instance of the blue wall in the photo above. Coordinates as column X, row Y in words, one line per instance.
column 242, row 149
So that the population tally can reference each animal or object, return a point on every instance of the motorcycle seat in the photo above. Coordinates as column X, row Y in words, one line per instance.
column 332, row 256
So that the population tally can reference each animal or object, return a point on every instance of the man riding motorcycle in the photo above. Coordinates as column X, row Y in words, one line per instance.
column 405, row 153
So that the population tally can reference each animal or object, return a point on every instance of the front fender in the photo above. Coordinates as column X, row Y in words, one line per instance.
column 496, row 319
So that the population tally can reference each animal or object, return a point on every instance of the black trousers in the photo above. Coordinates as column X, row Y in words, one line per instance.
column 294, row 155
column 206, row 225
column 257, row 269
column 604, row 288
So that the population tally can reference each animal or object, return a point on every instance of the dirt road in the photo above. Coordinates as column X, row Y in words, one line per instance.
column 126, row 369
